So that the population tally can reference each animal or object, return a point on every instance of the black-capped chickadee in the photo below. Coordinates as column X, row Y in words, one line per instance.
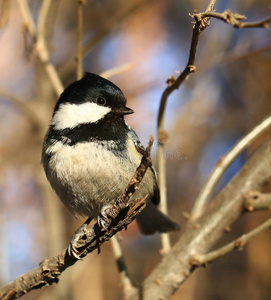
column 90, row 153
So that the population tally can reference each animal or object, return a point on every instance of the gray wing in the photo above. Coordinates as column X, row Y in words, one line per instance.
column 141, row 149
column 134, row 137
column 151, row 219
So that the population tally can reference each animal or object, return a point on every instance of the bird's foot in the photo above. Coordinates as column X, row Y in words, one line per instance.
column 107, row 214
column 73, row 245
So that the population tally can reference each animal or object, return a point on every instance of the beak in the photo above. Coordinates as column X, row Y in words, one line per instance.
column 124, row 110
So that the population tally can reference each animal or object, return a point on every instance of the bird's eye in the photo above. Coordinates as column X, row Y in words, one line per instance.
column 101, row 101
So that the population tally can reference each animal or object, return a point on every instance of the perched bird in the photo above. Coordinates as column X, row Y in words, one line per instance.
column 90, row 153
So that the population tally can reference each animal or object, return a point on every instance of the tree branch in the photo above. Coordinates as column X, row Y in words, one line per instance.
column 79, row 57
column 108, row 26
column 43, row 15
column 116, row 70
column 222, row 165
column 200, row 260
column 233, row 19
column 39, row 41
column 176, row 267
column 4, row 12
column 174, row 84
column 129, row 290
column 50, row 269
column 255, row 200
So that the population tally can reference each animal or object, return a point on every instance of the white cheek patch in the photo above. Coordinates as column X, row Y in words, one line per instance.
column 70, row 115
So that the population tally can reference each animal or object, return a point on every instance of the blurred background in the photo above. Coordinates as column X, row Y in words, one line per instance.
column 229, row 94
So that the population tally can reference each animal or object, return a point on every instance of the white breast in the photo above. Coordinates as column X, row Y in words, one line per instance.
column 87, row 176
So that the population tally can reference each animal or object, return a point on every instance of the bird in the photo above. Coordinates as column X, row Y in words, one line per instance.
column 90, row 154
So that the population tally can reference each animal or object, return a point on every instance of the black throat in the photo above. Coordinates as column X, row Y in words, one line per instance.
column 111, row 128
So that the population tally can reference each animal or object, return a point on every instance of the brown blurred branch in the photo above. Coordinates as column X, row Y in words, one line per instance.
column 4, row 12
column 44, row 11
column 227, row 207
column 106, row 27
column 128, row 289
column 39, row 41
column 26, row 109
column 79, row 57
column 50, row 269
column 200, row 260
column 117, row 70
column 233, row 58
column 255, row 200
column 111, row 23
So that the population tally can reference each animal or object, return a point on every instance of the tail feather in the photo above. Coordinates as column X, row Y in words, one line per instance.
column 152, row 220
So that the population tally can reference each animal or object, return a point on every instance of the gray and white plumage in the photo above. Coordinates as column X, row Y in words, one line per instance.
column 90, row 153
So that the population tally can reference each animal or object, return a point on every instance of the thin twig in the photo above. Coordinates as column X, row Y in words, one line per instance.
column 117, row 70
column 173, row 85
column 4, row 12
column 165, row 238
column 79, row 57
column 232, row 58
column 39, row 42
column 204, row 259
column 234, row 19
column 254, row 200
column 29, row 23
column 222, row 165
column 129, row 290
column 111, row 22
column 210, row 6
column 43, row 15
column 107, row 26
